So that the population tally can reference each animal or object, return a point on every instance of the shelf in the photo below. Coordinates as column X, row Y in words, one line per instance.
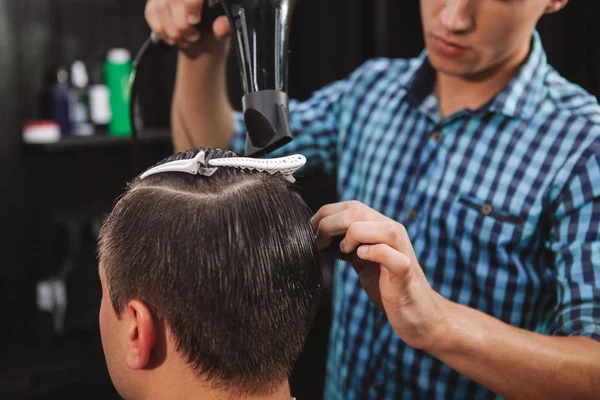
column 160, row 136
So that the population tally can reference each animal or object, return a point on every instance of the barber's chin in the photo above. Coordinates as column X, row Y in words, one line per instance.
column 450, row 66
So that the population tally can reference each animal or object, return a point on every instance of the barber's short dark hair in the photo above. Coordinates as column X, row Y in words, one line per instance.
column 229, row 262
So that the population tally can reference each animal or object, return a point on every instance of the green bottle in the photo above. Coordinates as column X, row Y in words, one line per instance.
column 117, row 69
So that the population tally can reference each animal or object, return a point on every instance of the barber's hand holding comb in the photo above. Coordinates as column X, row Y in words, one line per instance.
column 393, row 279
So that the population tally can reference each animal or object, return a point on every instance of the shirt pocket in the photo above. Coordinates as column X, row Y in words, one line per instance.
column 486, row 227
column 487, row 209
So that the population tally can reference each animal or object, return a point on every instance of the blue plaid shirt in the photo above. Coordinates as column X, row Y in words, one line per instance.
column 502, row 205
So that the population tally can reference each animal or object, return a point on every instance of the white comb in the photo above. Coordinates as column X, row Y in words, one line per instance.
column 286, row 166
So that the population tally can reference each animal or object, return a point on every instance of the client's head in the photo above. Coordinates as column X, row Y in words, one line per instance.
column 210, row 283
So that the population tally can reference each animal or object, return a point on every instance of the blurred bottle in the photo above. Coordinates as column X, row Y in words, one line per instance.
column 99, row 100
column 117, row 69
column 80, row 100
column 55, row 99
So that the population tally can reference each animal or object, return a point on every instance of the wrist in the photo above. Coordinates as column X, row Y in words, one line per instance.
column 451, row 331
column 206, row 70
column 206, row 50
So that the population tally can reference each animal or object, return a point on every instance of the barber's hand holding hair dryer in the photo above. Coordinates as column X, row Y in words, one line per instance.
column 262, row 31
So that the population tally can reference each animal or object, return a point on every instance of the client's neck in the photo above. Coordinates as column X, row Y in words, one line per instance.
column 182, row 389
column 282, row 393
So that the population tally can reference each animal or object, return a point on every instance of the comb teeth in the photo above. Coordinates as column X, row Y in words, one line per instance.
column 334, row 251
column 352, row 258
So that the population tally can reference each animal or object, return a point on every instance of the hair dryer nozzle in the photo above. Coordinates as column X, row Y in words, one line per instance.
column 261, row 29
column 267, row 121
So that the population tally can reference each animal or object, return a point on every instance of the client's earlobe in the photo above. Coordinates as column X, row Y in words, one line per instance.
column 141, row 335
column 555, row 6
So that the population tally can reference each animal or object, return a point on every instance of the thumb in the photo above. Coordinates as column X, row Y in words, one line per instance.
column 221, row 27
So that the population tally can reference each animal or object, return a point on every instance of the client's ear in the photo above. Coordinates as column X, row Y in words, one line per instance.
column 141, row 334
column 555, row 5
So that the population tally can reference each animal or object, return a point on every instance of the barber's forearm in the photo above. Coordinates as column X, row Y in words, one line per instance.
column 518, row 364
column 201, row 104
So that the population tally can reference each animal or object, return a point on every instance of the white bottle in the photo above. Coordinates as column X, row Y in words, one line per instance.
column 79, row 101
column 99, row 101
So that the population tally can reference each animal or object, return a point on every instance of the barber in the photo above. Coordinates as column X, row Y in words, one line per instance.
column 469, row 178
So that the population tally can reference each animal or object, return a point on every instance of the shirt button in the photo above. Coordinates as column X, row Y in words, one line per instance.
column 412, row 215
column 487, row 209
column 437, row 136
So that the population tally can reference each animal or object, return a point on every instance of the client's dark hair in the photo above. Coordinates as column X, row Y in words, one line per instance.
column 228, row 261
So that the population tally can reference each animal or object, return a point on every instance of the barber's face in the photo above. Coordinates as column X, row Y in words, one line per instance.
column 468, row 38
column 112, row 333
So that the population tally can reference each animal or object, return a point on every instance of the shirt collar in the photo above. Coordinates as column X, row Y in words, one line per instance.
column 520, row 98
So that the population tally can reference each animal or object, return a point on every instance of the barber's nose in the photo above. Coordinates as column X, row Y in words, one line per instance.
column 458, row 15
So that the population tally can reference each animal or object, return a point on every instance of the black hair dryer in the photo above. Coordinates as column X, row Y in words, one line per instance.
column 261, row 30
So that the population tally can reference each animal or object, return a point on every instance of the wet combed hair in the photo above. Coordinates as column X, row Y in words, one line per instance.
column 228, row 261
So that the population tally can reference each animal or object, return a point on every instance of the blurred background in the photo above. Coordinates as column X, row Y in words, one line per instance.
column 58, row 181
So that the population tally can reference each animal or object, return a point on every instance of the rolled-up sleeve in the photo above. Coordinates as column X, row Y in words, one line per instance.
column 576, row 245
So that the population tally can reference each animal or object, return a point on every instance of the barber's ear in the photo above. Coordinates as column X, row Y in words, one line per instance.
column 141, row 334
column 556, row 5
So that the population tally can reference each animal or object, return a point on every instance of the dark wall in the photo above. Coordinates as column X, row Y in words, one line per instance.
column 38, row 35
column 39, row 186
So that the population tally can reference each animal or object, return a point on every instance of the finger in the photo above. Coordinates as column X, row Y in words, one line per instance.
column 221, row 27
column 323, row 240
column 335, row 219
column 179, row 16
column 334, row 225
column 373, row 232
column 193, row 11
column 398, row 264
column 186, row 32
column 328, row 210
column 153, row 19
column 166, row 20
column 358, row 212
